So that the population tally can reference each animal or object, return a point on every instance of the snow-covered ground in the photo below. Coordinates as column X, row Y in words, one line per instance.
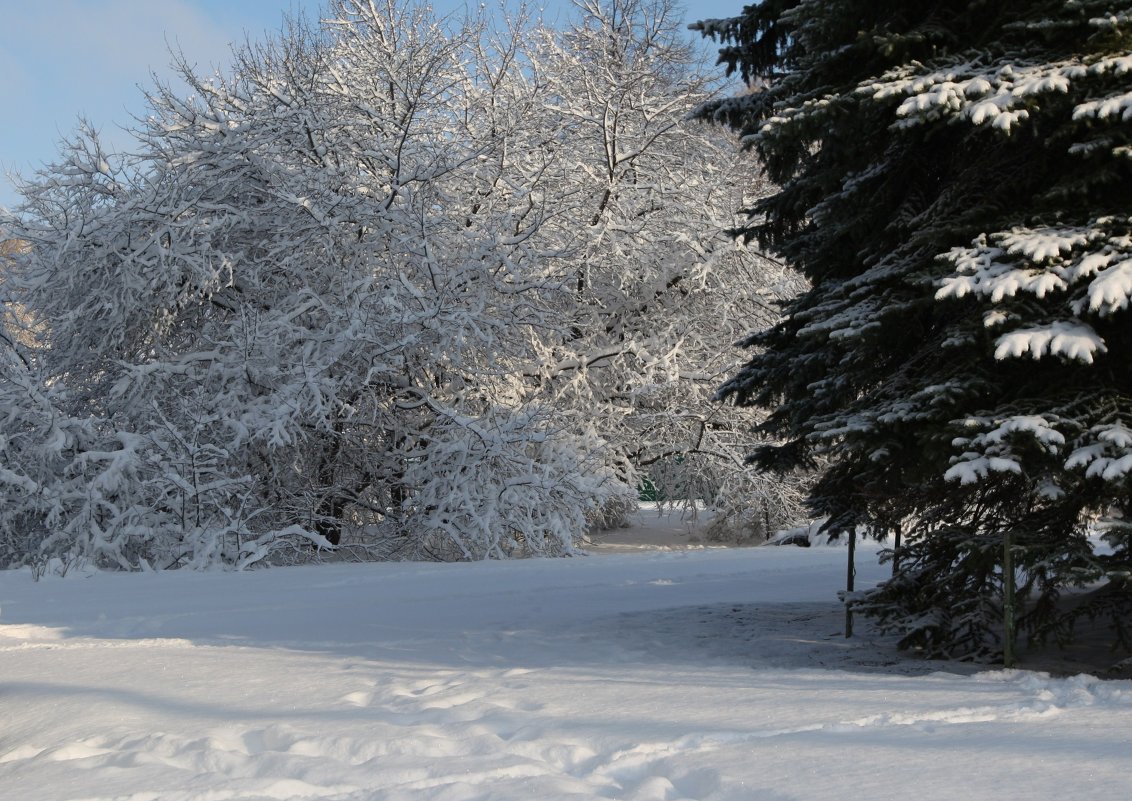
column 656, row 675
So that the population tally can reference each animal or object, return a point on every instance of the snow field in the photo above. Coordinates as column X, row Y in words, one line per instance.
column 705, row 675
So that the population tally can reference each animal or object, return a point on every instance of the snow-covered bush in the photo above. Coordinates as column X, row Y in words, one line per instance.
column 421, row 290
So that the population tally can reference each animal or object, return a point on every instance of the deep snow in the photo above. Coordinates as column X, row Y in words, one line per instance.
column 692, row 673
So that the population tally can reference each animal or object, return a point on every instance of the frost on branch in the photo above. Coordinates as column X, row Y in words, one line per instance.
column 501, row 485
column 995, row 446
column 1105, row 453
column 1079, row 342
column 1000, row 96
column 1090, row 263
column 1082, row 270
column 1102, row 452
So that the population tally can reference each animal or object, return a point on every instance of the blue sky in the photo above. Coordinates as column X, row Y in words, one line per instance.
column 64, row 58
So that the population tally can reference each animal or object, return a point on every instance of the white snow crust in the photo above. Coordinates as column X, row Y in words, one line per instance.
column 694, row 673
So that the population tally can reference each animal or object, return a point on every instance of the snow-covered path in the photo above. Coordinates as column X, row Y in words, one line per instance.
column 700, row 674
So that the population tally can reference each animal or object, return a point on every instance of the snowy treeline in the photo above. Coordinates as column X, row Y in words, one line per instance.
column 392, row 286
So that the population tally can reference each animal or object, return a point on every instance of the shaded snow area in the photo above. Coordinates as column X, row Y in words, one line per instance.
column 709, row 674
column 654, row 527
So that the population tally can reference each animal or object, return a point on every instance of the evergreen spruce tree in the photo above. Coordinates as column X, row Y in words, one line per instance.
column 955, row 183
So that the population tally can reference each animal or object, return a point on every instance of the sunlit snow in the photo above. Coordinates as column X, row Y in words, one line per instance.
column 699, row 673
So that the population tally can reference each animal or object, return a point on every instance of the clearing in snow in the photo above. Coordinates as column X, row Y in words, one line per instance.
column 699, row 673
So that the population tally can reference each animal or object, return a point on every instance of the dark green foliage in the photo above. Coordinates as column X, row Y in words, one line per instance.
column 956, row 184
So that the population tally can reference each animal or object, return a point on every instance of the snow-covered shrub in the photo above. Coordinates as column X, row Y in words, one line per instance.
column 419, row 289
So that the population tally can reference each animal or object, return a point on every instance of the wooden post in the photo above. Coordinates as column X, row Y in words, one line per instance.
column 1008, row 600
column 851, row 573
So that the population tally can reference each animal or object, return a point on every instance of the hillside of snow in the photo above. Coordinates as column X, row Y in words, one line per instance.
column 706, row 674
